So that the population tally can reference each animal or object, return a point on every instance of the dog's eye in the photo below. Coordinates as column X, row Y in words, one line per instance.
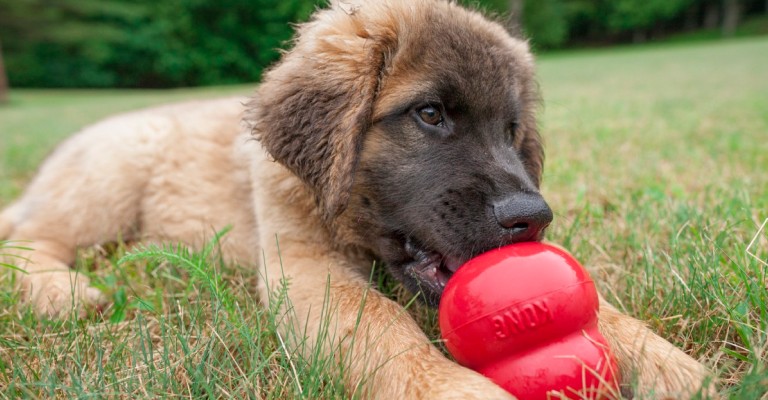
column 431, row 115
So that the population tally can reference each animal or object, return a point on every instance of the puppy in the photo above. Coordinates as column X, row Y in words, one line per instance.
column 396, row 130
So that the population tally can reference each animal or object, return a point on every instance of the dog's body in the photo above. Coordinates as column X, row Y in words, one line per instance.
column 173, row 173
column 404, row 132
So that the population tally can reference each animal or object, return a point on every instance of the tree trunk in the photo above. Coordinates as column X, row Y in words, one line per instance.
column 516, row 14
column 692, row 17
column 639, row 35
column 731, row 16
column 711, row 15
column 3, row 79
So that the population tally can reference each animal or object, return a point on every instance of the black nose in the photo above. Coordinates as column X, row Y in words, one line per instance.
column 523, row 215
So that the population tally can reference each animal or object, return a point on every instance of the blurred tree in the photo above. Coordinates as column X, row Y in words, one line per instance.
column 732, row 10
column 199, row 42
column 3, row 79
column 143, row 43
column 64, row 43
column 711, row 13
column 638, row 16
column 516, row 9
column 489, row 7
column 545, row 22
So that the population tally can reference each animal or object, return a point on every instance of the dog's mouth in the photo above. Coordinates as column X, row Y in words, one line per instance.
column 429, row 270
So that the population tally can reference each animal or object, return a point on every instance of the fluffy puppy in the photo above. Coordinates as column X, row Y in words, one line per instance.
column 397, row 130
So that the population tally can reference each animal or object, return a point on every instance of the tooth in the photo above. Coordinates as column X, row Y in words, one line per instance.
column 442, row 279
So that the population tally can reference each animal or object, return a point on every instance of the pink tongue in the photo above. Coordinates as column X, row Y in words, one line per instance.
column 452, row 264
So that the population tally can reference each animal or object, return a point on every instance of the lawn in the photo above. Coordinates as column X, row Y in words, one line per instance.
column 656, row 169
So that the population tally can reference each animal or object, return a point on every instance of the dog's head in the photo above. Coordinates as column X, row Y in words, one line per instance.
column 413, row 122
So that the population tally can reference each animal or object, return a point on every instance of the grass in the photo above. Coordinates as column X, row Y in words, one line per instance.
column 656, row 170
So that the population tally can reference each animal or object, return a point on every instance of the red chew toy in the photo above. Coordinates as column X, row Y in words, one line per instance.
column 525, row 316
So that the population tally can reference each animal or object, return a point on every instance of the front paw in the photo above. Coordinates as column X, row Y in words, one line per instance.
column 672, row 376
column 57, row 293
column 652, row 367
column 456, row 382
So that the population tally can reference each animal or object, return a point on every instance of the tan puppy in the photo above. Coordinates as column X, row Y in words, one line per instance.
column 404, row 131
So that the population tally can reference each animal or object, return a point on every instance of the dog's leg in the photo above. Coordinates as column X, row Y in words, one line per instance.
column 86, row 192
column 44, row 242
column 661, row 370
column 46, row 281
column 167, row 174
column 384, row 353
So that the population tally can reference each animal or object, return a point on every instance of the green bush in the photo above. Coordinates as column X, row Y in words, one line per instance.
column 123, row 43
column 545, row 22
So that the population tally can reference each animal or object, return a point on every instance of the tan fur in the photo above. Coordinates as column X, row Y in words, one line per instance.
column 651, row 358
column 181, row 173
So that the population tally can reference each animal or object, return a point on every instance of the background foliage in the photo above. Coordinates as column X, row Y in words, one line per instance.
column 173, row 43
column 143, row 43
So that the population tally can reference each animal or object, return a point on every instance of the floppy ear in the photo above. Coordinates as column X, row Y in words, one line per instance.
column 532, row 151
column 314, row 106
column 531, row 148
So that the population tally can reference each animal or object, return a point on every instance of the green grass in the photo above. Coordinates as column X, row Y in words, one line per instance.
column 656, row 169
